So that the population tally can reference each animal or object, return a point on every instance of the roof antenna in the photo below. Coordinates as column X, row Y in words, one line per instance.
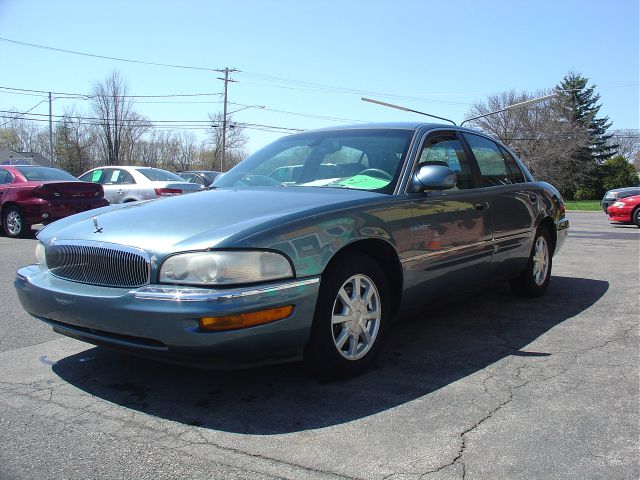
column 398, row 107
column 512, row 107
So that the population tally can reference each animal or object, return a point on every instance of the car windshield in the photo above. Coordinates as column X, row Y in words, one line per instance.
column 45, row 174
column 364, row 159
column 158, row 175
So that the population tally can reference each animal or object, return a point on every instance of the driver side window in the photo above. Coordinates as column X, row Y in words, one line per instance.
column 446, row 150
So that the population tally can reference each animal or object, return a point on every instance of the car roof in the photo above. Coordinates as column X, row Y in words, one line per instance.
column 623, row 189
column 394, row 126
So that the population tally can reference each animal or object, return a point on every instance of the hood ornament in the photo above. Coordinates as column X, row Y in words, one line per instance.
column 95, row 224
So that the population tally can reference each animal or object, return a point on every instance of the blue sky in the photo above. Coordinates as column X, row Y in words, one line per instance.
column 433, row 56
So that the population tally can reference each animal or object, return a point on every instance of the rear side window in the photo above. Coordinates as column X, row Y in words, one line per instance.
column 492, row 164
column 5, row 176
column 515, row 173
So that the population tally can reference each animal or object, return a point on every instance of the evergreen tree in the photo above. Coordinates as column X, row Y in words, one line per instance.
column 579, row 103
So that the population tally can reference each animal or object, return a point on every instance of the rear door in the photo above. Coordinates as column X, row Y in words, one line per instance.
column 117, row 184
column 513, row 202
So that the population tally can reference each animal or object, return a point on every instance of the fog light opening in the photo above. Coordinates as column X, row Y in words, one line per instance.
column 244, row 320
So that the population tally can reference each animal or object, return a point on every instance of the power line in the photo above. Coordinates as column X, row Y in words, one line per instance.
column 84, row 96
column 22, row 114
column 105, row 57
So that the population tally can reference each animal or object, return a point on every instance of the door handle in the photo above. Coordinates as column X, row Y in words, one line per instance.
column 120, row 191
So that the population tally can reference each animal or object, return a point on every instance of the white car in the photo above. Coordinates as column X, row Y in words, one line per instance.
column 132, row 183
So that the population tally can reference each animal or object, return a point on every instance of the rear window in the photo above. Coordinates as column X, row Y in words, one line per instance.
column 158, row 175
column 45, row 174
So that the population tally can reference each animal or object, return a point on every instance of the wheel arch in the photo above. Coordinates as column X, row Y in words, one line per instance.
column 550, row 225
column 6, row 206
column 384, row 255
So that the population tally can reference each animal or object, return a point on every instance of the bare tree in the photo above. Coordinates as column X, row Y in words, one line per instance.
column 132, row 134
column 628, row 142
column 120, row 126
column 20, row 135
column 545, row 140
column 187, row 155
column 235, row 141
column 159, row 149
column 73, row 142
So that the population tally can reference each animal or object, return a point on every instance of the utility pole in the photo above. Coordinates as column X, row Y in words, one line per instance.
column 50, row 128
column 226, row 81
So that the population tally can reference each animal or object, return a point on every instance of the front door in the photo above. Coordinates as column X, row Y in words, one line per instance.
column 451, row 233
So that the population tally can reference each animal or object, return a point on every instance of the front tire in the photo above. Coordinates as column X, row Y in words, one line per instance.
column 635, row 217
column 14, row 223
column 350, row 320
column 534, row 279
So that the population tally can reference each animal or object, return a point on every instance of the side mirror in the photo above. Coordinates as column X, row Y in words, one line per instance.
column 433, row 177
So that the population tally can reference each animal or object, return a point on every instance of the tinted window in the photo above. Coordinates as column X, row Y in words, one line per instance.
column 158, row 175
column 5, row 176
column 446, row 149
column 515, row 173
column 491, row 162
column 45, row 174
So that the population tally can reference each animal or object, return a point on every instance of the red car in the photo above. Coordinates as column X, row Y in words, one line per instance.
column 31, row 194
column 625, row 210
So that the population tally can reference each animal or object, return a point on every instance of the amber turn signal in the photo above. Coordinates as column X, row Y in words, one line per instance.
column 244, row 320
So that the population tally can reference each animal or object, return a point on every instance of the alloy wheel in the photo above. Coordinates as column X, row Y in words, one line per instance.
column 356, row 316
column 540, row 261
column 14, row 223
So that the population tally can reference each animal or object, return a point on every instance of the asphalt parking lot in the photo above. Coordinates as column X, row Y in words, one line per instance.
column 486, row 386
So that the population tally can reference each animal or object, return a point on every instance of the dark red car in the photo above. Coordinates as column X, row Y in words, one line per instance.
column 625, row 210
column 31, row 194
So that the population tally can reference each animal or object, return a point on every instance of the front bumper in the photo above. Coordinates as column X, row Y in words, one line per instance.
column 617, row 214
column 162, row 320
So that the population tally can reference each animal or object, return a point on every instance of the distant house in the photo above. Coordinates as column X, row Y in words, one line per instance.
column 11, row 157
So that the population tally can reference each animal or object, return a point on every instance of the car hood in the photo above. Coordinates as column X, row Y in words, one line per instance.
column 203, row 220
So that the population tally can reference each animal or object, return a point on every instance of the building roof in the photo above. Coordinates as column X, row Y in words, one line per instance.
column 13, row 157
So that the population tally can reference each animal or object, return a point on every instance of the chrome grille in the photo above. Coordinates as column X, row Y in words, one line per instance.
column 99, row 263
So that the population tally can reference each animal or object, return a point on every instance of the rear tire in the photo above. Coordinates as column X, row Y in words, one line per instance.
column 635, row 217
column 350, row 320
column 14, row 223
column 534, row 279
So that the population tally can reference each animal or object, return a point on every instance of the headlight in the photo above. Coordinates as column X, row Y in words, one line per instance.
column 224, row 268
column 618, row 204
column 41, row 257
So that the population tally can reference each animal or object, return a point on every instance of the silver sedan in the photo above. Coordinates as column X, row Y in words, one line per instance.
column 123, row 184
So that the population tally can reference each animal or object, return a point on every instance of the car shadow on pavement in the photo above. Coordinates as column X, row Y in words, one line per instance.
column 425, row 352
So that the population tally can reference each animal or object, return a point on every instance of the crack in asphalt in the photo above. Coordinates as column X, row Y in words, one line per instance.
column 512, row 390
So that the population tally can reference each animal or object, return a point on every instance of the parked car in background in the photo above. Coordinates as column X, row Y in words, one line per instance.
column 315, row 267
column 612, row 195
column 200, row 177
column 31, row 194
column 625, row 210
column 124, row 184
